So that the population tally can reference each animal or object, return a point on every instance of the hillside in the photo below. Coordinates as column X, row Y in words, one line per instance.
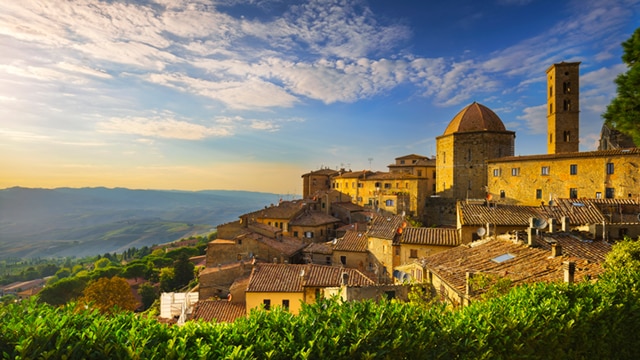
column 88, row 221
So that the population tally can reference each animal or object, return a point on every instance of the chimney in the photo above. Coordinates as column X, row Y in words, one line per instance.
column 345, row 278
column 556, row 250
column 566, row 227
column 530, row 235
column 469, row 287
column 569, row 268
column 553, row 225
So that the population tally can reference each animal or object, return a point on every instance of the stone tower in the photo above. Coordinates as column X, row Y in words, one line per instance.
column 474, row 135
column 563, row 108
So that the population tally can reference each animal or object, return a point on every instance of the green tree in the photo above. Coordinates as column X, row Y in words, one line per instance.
column 623, row 113
column 102, row 263
column 62, row 291
column 148, row 294
column 106, row 294
column 166, row 279
column 136, row 270
column 624, row 256
column 182, row 271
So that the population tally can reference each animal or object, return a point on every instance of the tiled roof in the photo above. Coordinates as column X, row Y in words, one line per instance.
column 412, row 156
column 355, row 241
column 354, row 174
column 218, row 310
column 496, row 214
column 579, row 211
column 385, row 227
column 582, row 154
column 313, row 218
column 283, row 210
column 475, row 117
column 430, row 236
column 355, row 227
column 572, row 245
column 349, row 206
column 625, row 210
column 327, row 172
column 319, row 248
column 392, row 176
column 293, row 278
column 285, row 244
column 527, row 265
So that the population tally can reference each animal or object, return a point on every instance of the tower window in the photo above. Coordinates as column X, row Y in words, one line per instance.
column 551, row 138
column 567, row 105
column 566, row 87
column 567, row 136
column 550, row 108
column 550, row 90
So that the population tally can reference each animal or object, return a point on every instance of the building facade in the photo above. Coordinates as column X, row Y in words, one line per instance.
column 563, row 107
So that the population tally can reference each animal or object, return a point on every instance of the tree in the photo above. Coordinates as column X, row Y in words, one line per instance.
column 623, row 113
column 148, row 294
column 182, row 271
column 62, row 291
column 107, row 294
column 624, row 256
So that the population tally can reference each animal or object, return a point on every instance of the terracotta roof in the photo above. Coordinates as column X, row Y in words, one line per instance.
column 313, row 218
column 527, row 265
column 293, row 278
column 285, row 244
column 218, row 310
column 385, row 227
column 430, row 236
column 497, row 214
column 349, row 206
column 355, row 241
column 355, row 227
column 354, row 174
column 392, row 176
column 412, row 156
column 475, row 117
column 618, row 210
column 579, row 211
column 319, row 248
column 283, row 210
column 222, row 267
column 572, row 245
column 327, row 172
column 582, row 154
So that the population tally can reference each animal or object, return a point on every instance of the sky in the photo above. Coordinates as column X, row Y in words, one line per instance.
column 250, row 95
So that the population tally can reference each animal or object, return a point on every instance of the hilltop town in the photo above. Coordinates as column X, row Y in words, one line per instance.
column 455, row 224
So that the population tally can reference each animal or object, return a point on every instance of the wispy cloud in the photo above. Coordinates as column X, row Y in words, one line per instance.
column 167, row 128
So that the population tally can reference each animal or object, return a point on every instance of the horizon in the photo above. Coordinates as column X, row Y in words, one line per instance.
column 193, row 96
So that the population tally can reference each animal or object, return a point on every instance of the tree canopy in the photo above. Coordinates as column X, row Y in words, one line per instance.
column 108, row 293
column 623, row 113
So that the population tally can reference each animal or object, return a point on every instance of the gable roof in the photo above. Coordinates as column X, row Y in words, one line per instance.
column 527, row 264
column 386, row 227
column 285, row 244
column 354, row 241
column 430, row 236
column 283, row 210
column 594, row 251
column 218, row 310
column 294, row 278
column 579, row 211
column 478, row 214
column 313, row 218
column 319, row 248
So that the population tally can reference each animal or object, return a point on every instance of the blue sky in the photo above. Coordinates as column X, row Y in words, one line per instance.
column 249, row 95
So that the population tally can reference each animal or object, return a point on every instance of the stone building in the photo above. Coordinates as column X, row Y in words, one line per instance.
column 563, row 108
column 317, row 180
column 476, row 134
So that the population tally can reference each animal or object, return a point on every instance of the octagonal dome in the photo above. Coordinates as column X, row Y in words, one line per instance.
column 475, row 117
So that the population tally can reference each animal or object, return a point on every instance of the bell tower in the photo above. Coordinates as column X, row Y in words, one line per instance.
column 563, row 108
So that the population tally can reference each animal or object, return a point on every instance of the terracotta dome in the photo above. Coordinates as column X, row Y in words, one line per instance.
column 475, row 117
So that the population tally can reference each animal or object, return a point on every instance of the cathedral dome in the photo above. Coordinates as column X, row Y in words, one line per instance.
column 475, row 117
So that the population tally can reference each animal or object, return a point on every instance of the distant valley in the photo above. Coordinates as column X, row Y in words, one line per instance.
column 90, row 221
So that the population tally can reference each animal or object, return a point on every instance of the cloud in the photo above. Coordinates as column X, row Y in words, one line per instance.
column 167, row 128
column 535, row 118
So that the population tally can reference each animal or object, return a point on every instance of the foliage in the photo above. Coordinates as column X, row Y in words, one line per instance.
column 490, row 285
column 107, row 294
column 623, row 113
column 624, row 256
column 148, row 294
column 63, row 291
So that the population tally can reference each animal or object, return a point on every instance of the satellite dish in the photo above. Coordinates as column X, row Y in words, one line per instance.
column 539, row 223
column 638, row 217
column 481, row 231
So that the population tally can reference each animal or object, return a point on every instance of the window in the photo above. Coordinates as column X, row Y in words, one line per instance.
column 387, row 185
column 434, row 174
column 609, row 168
column 550, row 108
column 567, row 105
column 359, row 199
column 414, row 253
column 377, row 184
column 328, row 260
column 538, row 193
column 567, row 136
column 308, row 234
column 598, row 195
column 239, row 241
column 285, row 304
column 545, row 170
column 444, row 157
column 573, row 193
column 397, row 250
column 343, row 260
column 566, row 87
column 402, row 162
column 502, row 258
column 267, row 304
column 515, row 171
column 502, row 194
column 573, row 169
column 550, row 91
column 609, row 193
column 420, row 173
column 550, row 138
column 388, row 202
column 496, row 172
